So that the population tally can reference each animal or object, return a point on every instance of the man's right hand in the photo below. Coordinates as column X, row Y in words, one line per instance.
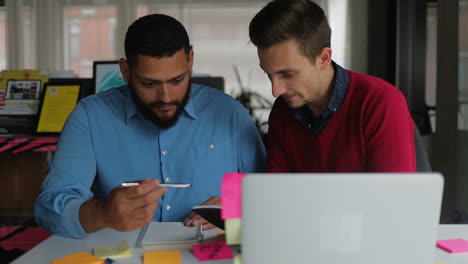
column 125, row 209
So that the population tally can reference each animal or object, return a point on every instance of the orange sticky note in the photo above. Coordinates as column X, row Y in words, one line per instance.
column 79, row 258
column 162, row 257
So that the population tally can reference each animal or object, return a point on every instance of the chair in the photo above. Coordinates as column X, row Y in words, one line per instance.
column 422, row 160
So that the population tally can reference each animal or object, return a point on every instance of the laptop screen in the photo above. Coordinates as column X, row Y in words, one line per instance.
column 340, row 218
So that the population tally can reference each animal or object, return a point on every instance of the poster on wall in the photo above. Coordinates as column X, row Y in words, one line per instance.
column 20, row 91
column 57, row 102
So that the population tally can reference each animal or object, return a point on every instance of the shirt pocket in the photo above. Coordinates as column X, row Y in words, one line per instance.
column 210, row 160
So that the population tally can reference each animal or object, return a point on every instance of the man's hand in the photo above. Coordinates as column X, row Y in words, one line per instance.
column 194, row 219
column 125, row 209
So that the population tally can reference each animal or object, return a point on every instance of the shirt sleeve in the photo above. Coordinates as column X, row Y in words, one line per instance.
column 68, row 183
column 276, row 158
column 389, row 133
column 251, row 149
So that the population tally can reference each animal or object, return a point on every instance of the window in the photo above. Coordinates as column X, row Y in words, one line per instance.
column 2, row 38
column 89, row 35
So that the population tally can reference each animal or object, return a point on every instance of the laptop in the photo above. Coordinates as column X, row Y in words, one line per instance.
column 342, row 218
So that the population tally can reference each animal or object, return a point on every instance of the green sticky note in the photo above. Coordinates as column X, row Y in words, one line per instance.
column 119, row 250
column 233, row 228
column 238, row 259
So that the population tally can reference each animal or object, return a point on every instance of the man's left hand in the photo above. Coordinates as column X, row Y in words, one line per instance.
column 194, row 219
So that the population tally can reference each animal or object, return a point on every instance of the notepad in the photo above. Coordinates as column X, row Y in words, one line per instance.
column 233, row 229
column 212, row 213
column 453, row 245
column 119, row 250
column 173, row 235
column 79, row 258
column 162, row 257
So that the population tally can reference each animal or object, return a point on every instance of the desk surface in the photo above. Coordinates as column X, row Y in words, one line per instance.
column 56, row 247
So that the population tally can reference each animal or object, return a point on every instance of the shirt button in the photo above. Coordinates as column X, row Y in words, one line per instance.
column 212, row 146
column 164, row 152
column 168, row 207
column 168, row 179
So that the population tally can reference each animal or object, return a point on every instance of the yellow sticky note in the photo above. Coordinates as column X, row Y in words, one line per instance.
column 79, row 258
column 162, row 257
column 119, row 250
column 233, row 228
column 238, row 259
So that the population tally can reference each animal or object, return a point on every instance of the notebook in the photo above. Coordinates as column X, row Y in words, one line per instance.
column 173, row 235
column 340, row 218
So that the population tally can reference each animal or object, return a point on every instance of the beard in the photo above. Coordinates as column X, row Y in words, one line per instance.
column 146, row 108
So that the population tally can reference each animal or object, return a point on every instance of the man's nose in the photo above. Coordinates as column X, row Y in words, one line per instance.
column 277, row 87
column 163, row 93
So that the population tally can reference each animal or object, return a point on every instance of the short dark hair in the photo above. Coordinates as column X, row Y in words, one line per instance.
column 282, row 20
column 155, row 35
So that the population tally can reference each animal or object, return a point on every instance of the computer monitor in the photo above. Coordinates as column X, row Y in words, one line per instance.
column 340, row 218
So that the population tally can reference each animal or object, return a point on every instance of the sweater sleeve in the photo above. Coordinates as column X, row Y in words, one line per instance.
column 389, row 133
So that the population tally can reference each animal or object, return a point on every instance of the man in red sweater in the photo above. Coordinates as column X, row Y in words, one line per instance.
column 326, row 118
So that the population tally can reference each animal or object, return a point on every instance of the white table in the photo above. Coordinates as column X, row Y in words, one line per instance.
column 56, row 247
column 449, row 232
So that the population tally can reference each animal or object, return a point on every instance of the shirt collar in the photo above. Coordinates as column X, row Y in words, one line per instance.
column 131, row 108
column 339, row 89
column 303, row 114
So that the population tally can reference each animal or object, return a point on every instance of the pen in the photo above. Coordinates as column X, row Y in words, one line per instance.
column 173, row 185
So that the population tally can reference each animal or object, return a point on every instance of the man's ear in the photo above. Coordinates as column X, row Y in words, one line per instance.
column 190, row 60
column 124, row 69
column 324, row 58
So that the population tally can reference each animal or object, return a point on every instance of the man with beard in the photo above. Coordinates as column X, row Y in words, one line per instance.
column 160, row 128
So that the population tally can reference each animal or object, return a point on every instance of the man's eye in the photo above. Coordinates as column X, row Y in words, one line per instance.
column 147, row 84
column 288, row 74
column 177, row 81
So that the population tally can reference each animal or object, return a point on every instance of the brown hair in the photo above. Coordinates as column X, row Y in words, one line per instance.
column 282, row 20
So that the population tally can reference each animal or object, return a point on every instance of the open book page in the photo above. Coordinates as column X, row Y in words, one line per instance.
column 174, row 235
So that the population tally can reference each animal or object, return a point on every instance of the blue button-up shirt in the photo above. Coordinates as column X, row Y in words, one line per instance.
column 303, row 114
column 106, row 141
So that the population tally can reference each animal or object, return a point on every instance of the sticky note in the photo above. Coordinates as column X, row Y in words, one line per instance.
column 453, row 245
column 238, row 259
column 79, row 258
column 162, row 257
column 119, row 250
column 212, row 251
column 231, row 190
column 233, row 228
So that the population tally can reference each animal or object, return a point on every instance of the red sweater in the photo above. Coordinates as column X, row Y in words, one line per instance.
column 372, row 131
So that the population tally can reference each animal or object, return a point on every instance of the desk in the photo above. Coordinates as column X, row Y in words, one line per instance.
column 449, row 232
column 56, row 247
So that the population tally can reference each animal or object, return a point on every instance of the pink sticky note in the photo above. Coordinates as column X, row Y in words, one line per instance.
column 231, row 190
column 453, row 245
column 212, row 251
